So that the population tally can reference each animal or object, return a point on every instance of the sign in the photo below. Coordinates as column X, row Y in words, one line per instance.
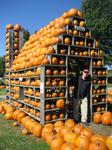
column 41, row 87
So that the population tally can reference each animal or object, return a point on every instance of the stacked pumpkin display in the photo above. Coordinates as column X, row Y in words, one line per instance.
column 8, row 39
column 41, row 67
column 17, row 29
column 62, row 135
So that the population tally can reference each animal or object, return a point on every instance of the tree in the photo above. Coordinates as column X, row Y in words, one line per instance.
column 99, row 18
column 2, row 66
column 26, row 35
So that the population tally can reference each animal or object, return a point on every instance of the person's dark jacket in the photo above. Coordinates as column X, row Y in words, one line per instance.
column 83, row 88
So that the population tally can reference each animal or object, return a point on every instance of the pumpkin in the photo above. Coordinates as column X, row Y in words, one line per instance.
column 109, row 142
column 15, row 124
column 67, row 21
column 78, row 128
column 97, row 137
column 60, row 103
column 75, row 22
column 54, row 94
column 62, row 51
column 82, row 23
column 58, row 123
column 54, row 60
column 55, row 72
column 8, row 116
column 47, row 106
column 67, row 41
column 72, row 12
column 87, row 132
column 37, row 130
column 70, row 123
column 97, row 145
column 20, row 116
column 25, row 132
column 81, row 43
column 97, row 118
column 54, row 117
column 16, row 112
column 61, row 83
column 63, row 72
column 46, row 131
column 70, row 137
column 106, row 118
column 82, row 142
column 1, row 109
column 86, row 34
column 75, row 33
column 17, row 27
column 56, row 143
column 99, row 63
column 92, row 53
column 9, row 26
column 63, row 130
column 80, row 13
column 67, row 146
column 48, row 117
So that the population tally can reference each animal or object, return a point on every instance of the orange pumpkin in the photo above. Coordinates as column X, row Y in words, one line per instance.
column 17, row 27
column 60, row 103
column 97, row 145
column 97, row 118
column 25, row 132
column 67, row 41
column 9, row 26
column 106, row 118
column 68, row 146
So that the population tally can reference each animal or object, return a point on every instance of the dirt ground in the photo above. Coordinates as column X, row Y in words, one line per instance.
column 101, row 129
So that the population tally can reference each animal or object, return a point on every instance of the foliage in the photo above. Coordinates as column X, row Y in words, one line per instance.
column 2, row 66
column 99, row 16
column 26, row 35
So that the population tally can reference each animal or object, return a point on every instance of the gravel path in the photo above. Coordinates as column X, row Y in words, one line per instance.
column 101, row 129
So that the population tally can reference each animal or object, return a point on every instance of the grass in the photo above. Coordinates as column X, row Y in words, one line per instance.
column 12, row 139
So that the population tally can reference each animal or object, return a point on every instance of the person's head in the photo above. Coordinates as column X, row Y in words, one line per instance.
column 85, row 73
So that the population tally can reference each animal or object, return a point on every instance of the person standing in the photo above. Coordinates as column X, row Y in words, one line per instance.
column 83, row 93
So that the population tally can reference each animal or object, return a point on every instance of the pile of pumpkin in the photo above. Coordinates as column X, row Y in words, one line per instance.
column 105, row 118
column 34, row 51
column 60, row 135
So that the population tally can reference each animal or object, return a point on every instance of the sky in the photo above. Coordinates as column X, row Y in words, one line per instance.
column 31, row 14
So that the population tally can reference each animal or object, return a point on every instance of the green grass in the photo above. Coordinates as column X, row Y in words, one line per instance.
column 12, row 139
column 2, row 91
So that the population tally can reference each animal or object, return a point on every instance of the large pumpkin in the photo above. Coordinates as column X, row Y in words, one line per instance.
column 97, row 145
column 37, row 130
column 97, row 118
column 67, row 146
column 70, row 123
column 109, row 142
column 78, row 128
column 106, row 118
column 70, row 137
column 82, row 142
column 87, row 132
column 56, row 143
